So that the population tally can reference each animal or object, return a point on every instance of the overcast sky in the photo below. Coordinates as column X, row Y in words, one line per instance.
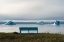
column 31, row 9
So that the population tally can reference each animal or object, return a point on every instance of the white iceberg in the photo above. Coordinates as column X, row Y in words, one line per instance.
column 41, row 23
column 10, row 23
column 56, row 23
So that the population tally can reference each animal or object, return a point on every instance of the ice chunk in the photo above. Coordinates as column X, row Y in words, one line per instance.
column 41, row 23
column 10, row 23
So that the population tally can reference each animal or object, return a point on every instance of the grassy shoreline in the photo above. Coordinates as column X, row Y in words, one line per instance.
column 40, row 37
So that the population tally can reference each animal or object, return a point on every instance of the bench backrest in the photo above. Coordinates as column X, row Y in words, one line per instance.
column 28, row 28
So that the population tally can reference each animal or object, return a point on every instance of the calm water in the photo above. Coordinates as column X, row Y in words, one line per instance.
column 41, row 28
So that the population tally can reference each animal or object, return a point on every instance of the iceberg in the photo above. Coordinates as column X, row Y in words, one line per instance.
column 41, row 23
column 57, row 23
column 10, row 23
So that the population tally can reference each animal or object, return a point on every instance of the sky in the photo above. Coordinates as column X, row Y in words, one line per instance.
column 31, row 9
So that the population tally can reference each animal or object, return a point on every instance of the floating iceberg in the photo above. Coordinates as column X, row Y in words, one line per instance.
column 57, row 23
column 10, row 23
column 41, row 23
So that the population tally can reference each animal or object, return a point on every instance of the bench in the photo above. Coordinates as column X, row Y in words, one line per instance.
column 28, row 29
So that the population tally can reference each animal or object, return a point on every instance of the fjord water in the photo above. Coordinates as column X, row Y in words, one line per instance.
column 41, row 28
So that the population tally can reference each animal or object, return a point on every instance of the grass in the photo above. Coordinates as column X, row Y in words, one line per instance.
column 40, row 37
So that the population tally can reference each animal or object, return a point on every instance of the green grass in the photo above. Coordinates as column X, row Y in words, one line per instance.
column 40, row 37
